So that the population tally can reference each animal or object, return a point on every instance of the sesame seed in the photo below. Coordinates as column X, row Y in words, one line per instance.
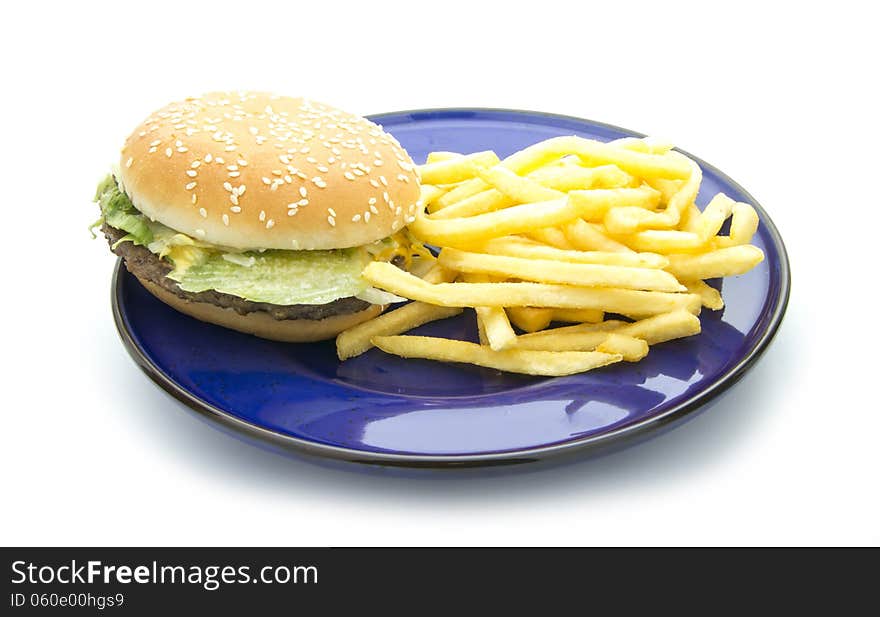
column 227, row 186
column 374, row 183
column 232, row 167
column 203, row 212
column 366, row 217
column 266, row 180
column 262, row 215
column 169, row 152
column 383, row 180
column 231, row 148
column 192, row 173
column 233, row 197
column 235, row 209
column 323, row 168
column 225, row 219
column 200, row 233
column 153, row 149
column 385, row 196
column 191, row 185
column 372, row 201
column 208, row 158
column 183, row 149
column 292, row 211
column 331, row 211
column 332, row 221
column 156, row 142
column 241, row 189
column 304, row 202
column 195, row 164
column 410, row 219
column 374, row 210
column 349, row 175
column 303, row 191
column 242, row 162
column 378, row 163
column 195, row 198
column 270, row 224
column 234, row 174
column 219, row 160
column 355, row 218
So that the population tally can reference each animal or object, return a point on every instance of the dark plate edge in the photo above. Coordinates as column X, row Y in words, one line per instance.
column 512, row 457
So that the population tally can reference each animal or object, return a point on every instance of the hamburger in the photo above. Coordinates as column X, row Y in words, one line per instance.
column 258, row 212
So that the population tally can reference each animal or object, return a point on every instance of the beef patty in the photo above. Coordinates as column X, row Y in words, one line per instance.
column 148, row 266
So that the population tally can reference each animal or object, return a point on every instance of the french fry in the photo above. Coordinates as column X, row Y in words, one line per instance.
column 431, row 193
column 518, row 188
column 496, row 327
column 590, row 237
column 578, row 315
column 630, row 219
column 550, row 364
column 551, row 237
column 570, row 177
column 664, row 241
column 594, row 204
column 709, row 223
column 390, row 278
column 516, row 219
column 649, row 145
column 598, row 153
column 461, row 191
column 714, row 264
column 440, row 155
column 663, row 327
column 530, row 318
column 455, row 169
column 516, row 246
column 632, row 349
column 710, row 296
column 356, row 340
column 689, row 218
column 743, row 224
column 564, row 273
column 492, row 323
column 608, row 325
column 486, row 201
column 554, row 340
column 667, row 188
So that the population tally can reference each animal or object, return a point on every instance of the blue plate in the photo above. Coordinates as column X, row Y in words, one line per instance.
column 382, row 409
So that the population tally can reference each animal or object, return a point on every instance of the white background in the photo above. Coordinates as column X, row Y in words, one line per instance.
column 782, row 99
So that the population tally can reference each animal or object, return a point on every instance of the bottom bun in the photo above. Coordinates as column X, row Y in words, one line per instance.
column 262, row 324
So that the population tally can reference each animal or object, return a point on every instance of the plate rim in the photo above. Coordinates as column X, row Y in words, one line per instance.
column 580, row 445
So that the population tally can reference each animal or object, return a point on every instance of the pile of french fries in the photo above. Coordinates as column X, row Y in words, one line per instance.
column 606, row 236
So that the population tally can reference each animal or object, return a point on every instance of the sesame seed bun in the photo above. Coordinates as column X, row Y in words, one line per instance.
column 262, row 324
column 256, row 171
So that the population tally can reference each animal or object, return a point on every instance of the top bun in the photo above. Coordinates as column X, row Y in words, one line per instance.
column 252, row 170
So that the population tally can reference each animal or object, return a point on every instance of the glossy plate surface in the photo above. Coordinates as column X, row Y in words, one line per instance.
column 381, row 409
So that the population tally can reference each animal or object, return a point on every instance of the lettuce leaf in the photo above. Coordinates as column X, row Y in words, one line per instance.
column 280, row 277
column 118, row 211
column 273, row 276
